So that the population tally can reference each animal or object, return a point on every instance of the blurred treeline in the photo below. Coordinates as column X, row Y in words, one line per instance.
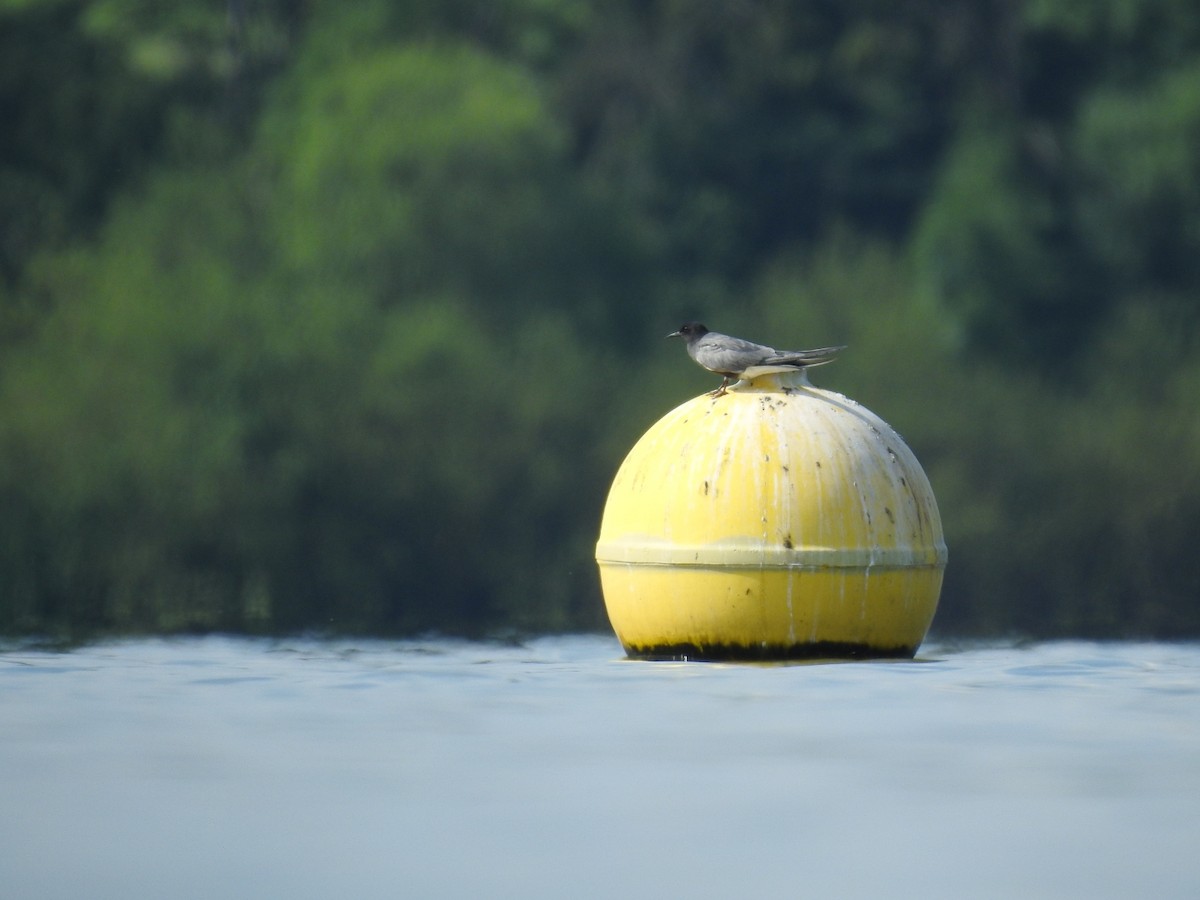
column 342, row 315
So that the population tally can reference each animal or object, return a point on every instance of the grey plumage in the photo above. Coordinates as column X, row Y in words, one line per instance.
column 735, row 358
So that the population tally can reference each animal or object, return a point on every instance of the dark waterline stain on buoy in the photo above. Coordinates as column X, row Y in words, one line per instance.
column 832, row 651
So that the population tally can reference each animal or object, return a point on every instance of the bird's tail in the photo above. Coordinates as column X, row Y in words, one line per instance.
column 802, row 359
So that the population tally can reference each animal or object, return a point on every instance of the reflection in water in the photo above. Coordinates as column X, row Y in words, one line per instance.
column 206, row 768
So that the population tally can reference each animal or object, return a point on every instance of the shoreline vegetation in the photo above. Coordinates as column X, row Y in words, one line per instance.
column 341, row 321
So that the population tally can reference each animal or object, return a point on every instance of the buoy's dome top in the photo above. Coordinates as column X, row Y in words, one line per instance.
column 776, row 471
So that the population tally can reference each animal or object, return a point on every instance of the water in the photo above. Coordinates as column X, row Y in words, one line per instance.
column 244, row 769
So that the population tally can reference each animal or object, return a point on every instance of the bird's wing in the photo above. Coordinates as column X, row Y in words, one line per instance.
column 736, row 344
column 728, row 355
column 802, row 358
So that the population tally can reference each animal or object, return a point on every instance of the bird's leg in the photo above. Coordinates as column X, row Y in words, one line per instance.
column 720, row 392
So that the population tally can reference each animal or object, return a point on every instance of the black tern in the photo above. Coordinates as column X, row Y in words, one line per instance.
column 735, row 358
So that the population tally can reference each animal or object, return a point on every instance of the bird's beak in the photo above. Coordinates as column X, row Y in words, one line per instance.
column 675, row 334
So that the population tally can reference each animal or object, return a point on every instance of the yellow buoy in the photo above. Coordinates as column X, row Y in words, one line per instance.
column 779, row 521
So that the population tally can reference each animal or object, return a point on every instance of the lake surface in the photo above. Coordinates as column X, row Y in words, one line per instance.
column 224, row 768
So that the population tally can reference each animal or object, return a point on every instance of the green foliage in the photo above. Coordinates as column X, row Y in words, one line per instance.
column 68, row 108
column 342, row 317
column 1137, row 153
column 234, row 440
column 747, row 126
column 1051, row 209
column 999, row 252
column 443, row 175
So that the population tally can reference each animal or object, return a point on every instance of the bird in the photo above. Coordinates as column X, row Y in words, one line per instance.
column 736, row 358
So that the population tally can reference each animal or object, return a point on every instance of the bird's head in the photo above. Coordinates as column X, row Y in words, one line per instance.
column 689, row 331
